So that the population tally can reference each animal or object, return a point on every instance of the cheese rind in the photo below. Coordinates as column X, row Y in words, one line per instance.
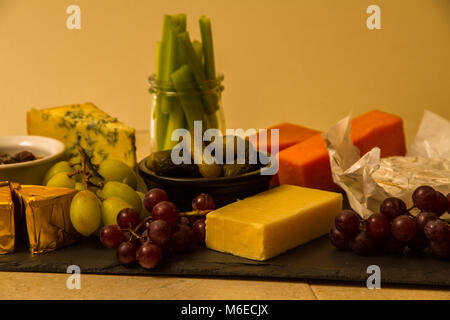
column 270, row 223
column 102, row 136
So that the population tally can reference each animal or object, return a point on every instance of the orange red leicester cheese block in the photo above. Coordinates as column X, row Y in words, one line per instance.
column 307, row 163
column 288, row 135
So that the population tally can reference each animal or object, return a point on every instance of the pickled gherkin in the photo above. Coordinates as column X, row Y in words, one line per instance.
column 236, row 169
column 160, row 162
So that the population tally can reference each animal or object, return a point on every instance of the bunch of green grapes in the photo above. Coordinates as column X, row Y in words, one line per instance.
column 104, row 190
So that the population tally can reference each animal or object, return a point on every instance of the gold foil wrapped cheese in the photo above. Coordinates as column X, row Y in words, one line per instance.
column 7, row 225
column 47, row 216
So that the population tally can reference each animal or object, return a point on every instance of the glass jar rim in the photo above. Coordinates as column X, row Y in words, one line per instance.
column 159, row 85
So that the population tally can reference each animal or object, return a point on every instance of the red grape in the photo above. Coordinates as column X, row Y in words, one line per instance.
column 441, row 249
column 441, row 204
column 111, row 236
column 392, row 208
column 126, row 252
column 419, row 242
column 185, row 221
column 448, row 204
column 192, row 219
column 437, row 230
column 338, row 239
column 149, row 255
column 166, row 211
column 199, row 228
column 347, row 222
column 423, row 218
column 424, row 198
column 404, row 228
column 203, row 202
column 160, row 232
column 378, row 226
column 153, row 197
column 128, row 218
column 393, row 246
column 182, row 238
column 363, row 244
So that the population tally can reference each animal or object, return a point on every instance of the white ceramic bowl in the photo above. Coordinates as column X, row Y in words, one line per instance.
column 47, row 150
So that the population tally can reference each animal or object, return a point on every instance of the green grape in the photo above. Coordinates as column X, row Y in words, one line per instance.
column 144, row 212
column 99, row 193
column 62, row 166
column 61, row 180
column 123, row 191
column 114, row 170
column 94, row 189
column 110, row 209
column 85, row 212
column 79, row 186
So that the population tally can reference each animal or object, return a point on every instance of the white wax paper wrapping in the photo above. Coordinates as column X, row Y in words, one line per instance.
column 368, row 180
column 432, row 139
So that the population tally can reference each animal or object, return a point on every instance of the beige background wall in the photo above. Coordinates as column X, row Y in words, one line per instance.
column 306, row 61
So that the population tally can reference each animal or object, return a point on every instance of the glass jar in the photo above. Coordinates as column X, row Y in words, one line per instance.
column 178, row 106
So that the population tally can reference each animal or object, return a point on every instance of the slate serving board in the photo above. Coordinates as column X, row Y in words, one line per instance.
column 317, row 260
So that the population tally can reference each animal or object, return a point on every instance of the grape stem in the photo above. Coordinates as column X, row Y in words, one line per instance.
column 142, row 222
column 75, row 164
column 194, row 213
column 85, row 173
column 134, row 234
column 70, row 175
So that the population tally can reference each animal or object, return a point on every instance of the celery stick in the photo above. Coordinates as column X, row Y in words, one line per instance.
column 192, row 58
column 208, row 48
column 213, row 121
column 209, row 98
column 180, row 21
column 161, row 63
column 169, row 67
column 179, row 26
column 206, row 121
column 158, row 57
column 168, row 62
column 184, row 82
column 157, row 105
column 176, row 121
column 161, row 126
column 197, row 45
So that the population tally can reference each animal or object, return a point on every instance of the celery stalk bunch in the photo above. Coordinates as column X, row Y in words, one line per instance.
column 187, row 68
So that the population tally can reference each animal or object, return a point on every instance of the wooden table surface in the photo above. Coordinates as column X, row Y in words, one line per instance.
column 15, row 285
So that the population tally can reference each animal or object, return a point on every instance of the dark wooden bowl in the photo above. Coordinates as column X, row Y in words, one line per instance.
column 224, row 190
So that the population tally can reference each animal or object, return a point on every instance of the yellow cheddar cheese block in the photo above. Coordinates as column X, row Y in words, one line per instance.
column 102, row 136
column 270, row 223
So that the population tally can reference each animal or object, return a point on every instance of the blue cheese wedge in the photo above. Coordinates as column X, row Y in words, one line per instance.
column 102, row 136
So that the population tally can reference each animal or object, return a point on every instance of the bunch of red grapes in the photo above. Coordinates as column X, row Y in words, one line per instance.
column 395, row 228
column 145, row 242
